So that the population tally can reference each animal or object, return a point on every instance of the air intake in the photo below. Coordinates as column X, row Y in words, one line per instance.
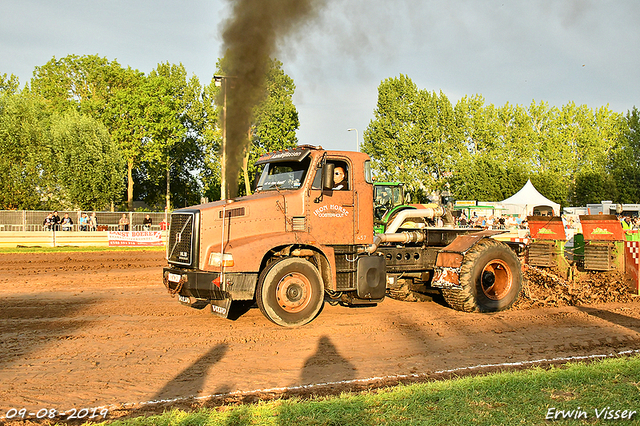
column 240, row 211
column 299, row 223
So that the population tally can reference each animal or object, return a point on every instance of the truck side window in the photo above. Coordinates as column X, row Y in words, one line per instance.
column 367, row 172
column 341, row 179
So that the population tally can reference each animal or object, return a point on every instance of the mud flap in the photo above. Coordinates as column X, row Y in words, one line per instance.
column 221, row 307
column 446, row 277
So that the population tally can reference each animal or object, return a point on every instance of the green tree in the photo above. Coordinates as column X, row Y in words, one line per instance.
column 174, row 118
column 593, row 187
column 275, row 119
column 211, row 142
column 25, row 155
column 484, row 177
column 415, row 136
column 9, row 84
column 84, row 83
column 624, row 161
column 102, row 89
column 273, row 125
column 88, row 166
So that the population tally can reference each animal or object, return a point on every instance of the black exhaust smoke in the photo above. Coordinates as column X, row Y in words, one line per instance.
column 253, row 33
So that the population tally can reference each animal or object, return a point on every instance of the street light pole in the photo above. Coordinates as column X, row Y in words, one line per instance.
column 357, row 140
column 221, row 81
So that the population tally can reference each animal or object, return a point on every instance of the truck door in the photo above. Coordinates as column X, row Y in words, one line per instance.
column 332, row 212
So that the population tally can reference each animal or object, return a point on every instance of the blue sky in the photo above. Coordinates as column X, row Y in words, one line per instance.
column 507, row 51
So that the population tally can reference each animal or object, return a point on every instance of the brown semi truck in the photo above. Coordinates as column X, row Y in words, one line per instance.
column 298, row 240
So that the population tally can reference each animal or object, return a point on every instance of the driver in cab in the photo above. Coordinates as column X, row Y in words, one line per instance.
column 339, row 179
column 383, row 197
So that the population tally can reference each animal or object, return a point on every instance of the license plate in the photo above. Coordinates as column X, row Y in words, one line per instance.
column 184, row 299
column 174, row 278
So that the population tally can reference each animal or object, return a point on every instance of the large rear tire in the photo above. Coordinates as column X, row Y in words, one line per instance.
column 290, row 292
column 491, row 279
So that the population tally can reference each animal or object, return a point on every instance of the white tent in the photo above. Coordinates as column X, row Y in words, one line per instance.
column 528, row 200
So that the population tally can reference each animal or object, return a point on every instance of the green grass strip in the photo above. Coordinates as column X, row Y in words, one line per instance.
column 65, row 249
column 525, row 397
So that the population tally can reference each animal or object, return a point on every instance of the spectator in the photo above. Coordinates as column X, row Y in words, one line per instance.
column 47, row 224
column 163, row 225
column 146, row 223
column 490, row 222
column 501, row 222
column 93, row 222
column 123, row 223
column 56, row 221
column 67, row 223
column 84, row 222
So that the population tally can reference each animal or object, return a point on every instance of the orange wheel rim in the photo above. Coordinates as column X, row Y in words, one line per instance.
column 293, row 292
column 496, row 279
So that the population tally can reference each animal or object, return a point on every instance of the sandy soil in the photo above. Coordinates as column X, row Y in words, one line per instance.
column 82, row 330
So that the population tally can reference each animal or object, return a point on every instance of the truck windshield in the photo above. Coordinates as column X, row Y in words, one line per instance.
column 282, row 175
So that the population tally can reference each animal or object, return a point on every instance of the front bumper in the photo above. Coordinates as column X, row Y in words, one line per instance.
column 205, row 285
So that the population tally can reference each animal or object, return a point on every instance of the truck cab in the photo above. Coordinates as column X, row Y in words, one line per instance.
column 307, row 233
column 297, row 237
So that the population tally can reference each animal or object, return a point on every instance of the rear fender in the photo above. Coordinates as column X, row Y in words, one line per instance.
column 450, row 258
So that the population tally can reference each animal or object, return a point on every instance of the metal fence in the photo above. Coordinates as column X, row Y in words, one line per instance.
column 33, row 220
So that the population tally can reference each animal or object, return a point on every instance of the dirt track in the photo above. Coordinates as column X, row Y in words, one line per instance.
column 81, row 330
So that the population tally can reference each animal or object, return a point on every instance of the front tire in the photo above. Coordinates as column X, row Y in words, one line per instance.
column 290, row 292
column 491, row 279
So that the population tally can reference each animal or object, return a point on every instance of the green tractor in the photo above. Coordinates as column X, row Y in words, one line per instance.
column 388, row 199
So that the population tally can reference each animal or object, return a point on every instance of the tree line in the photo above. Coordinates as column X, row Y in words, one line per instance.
column 87, row 133
column 574, row 155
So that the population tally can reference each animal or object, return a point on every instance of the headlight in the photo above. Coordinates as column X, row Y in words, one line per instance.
column 219, row 259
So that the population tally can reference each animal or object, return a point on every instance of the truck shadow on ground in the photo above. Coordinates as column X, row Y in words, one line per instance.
column 240, row 307
column 323, row 373
column 326, row 365
column 43, row 320
column 190, row 381
column 626, row 321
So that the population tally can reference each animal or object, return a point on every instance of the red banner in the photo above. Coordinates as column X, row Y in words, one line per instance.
column 134, row 238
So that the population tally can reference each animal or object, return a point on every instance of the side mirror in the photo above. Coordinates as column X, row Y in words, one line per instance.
column 327, row 175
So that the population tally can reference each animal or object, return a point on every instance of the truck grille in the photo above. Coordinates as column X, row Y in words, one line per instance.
column 180, row 244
